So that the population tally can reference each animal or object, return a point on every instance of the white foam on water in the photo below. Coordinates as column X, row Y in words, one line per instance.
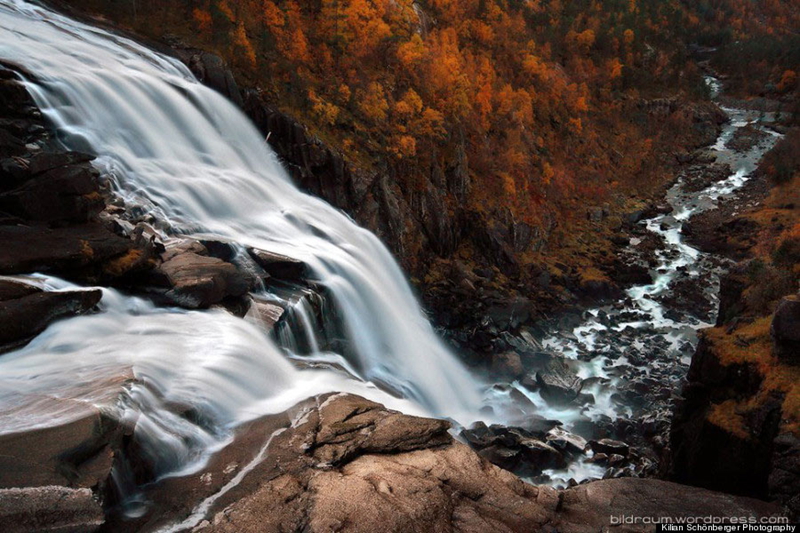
column 184, row 153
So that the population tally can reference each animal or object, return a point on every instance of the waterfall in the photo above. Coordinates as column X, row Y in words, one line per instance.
column 199, row 166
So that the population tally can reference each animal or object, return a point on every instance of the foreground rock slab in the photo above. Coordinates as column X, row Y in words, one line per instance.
column 342, row 463
column 596, row 506
column 49, row 510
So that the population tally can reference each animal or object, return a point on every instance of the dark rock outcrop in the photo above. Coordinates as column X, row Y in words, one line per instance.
column 514, row 449
column 279, row 266
column 50, row 200
column 784, row 478
column 25, row 310
column 78, row 252
column 707, row 455
column 786, row 330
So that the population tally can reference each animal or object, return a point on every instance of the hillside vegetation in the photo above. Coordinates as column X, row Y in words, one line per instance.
column 542, row 108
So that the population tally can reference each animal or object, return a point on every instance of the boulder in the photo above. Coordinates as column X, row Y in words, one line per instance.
column 265, row 314
column 785, row 330
column 351, row 426
column 11, row 290
column 565, row 441
column 610, row 447
column 279, row 266
column 507, row 365
column 77, row 451
column 198, row 281
column 558, row 384
column 24, row 317
column 513, row 449
column 50, row 509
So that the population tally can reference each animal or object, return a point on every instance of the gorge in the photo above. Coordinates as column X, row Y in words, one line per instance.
column 252, row 348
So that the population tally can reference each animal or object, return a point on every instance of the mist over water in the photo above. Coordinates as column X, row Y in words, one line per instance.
column 188, row 156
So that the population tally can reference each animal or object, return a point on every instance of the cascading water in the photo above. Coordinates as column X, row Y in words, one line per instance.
column 193, row 160
column 181, row 152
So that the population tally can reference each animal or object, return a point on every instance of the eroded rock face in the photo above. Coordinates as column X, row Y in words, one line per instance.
column 352, row 465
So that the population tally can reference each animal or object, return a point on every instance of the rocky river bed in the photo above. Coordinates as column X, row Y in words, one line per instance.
column 596, row 390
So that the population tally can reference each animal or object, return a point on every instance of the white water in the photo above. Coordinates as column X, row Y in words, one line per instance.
column 595, row 343
column 197, row 164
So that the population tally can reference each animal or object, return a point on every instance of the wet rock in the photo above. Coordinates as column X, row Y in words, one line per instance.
column 538, row 456
column 28, row 311
column 212, row 70
column 558, row 384
column 265, row 314
column 610, row 447
column 75, row 453
column 279, row 266
column 64, row 194
column 785, row 330
column 508, row 365
column 219, row 249
column 65, row 250
column 565, row 441
column 198, row 281
column 11, row 290
column 616, row 459
column 49, row 510
column 513, row 449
